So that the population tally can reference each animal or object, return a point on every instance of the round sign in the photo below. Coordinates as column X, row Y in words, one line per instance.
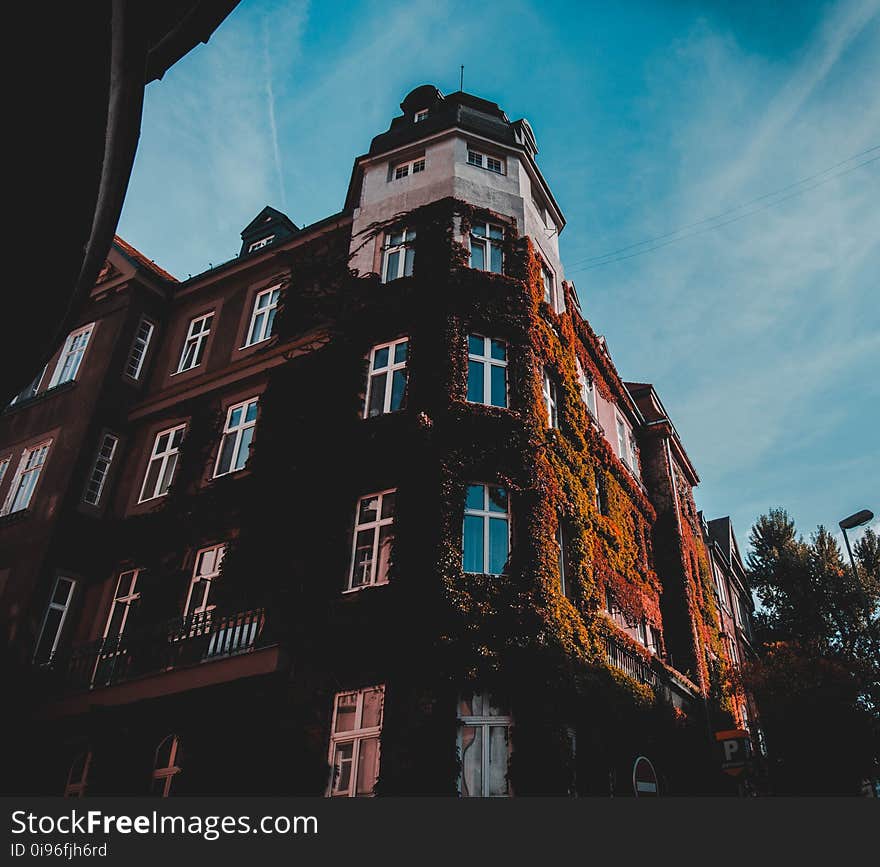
column 645, row 783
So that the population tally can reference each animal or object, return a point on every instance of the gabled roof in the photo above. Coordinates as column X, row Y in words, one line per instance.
column 269, row 226
column 721, row 531
column 139, row 260
column 268, row 215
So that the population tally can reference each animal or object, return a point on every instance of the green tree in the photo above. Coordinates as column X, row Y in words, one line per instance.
column 817, row 679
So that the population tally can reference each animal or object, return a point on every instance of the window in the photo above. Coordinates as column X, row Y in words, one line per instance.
column 744, row 619
column 194, row 345
column 24, row 482
column 733, row 650
column 135, row 362
column 53, row 620
column 100, row 469
column 206, row 570
column 486, row 247
column 622, row 441
column 125, row 602
column 550, row 400
column 420, row 116
column 4, row 466
column 484, row 748
column 562, row 559
column 263, row 242
column 163, row 462
column 166, row 766
column 482, row 161
column 386, row 380
column 373, row 537
column 587, row 388
column 71, row 355
column 78, row 776
column 398, row 255
column 653, row 640
column 642, row 631
column 412, row 167
column 487, row 371
column 354, row 742
column 486, row 531
column 237, row 435
column 549, row 286
column 720, row 589
column 634, row 456
column 30, row 389
column 599, row 495
column 263, row 317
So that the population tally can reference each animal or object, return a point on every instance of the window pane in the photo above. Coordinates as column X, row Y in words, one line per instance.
column 472, row 761
column 496, row 232
column 380, row 358
column 244, row 448
column 499, row 385
column 476, row 497
column 114, row 629
column 377, row 395
column 400, row 352
column 369, row 510
column 386, row 538
column 368, row 766
column 152, row 478
column 472, row 555
column 498, row 753
column 372, row 714
column 363, row 557
column 346, row 705
column 62, row 591
column 476, row 344
column 168, row 474
column 342, row 767
column 409, row 257
column 398, row 389
column 478, row 255
column 497, row 499
column 227, row 447
column 475, row 387
column 499, row 350
column 388, row 501
column 251, row 413
column 54, row 617
column 498, row 543
column 495, row 252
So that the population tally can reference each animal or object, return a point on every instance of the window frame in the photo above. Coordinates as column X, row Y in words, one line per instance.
column 413, row 166
column 51, row 605
column 205, row 607
column 4, row 467
column 551, row 399
column 484, row 159
column 376, row 525
column 139, row 366
column 108, row 464
column 261, row 243
column 488, row 242
column 421, row 115
column 484, row 722
column 487, row 514
column 164, row 458
column 68, row 352
column 405, row 253
column 21, row 471
column 487, row 361
column 270, row 311
column 198, row 339
column 237, row 433
column 549, row 290
column 587, row 388
column 78, row 789
column 356, row 735
column 168, row 772
column 388, row 371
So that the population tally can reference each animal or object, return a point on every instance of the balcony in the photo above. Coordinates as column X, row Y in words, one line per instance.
column 173, row 656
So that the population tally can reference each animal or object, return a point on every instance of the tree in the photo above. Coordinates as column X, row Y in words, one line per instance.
column 817, row 679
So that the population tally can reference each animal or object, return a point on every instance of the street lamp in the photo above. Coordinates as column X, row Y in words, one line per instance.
column 850, row 523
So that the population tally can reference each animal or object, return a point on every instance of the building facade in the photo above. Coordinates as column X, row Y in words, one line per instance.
column 366, row 510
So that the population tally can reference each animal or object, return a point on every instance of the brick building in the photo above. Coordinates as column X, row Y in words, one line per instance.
column 367, row 508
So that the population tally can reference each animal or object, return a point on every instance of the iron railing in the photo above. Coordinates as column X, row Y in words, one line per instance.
column 177, row 643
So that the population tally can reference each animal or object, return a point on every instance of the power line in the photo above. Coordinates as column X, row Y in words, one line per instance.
column 680, row 229
column 608, row 261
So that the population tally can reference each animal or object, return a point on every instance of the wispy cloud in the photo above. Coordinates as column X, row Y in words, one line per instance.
column 270, row 107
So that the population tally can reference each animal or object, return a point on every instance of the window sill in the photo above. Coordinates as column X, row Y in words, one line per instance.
column 40, row 396
column 353, row 590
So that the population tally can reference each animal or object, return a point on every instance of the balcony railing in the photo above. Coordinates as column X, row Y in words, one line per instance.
column 629, row 662
column 178, row 643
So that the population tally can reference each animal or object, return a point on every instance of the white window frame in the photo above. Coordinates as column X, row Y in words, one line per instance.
column 72, row 354
column 355, row 736
column 623, row 436
column 484, row 722
column 733, row 650
column 168, row 772
column 204, row 607
column 165, row 457
column 587, row 386
column 481, row 160
column 51, row 605
column 257, row 334
column 551, row 399
column 258, row 245
column 407, row 168
column 101, row 468
column 373, row 579
column 196, row 336
column 486, row 514
column 559, row 536
column 420, row 115
column 488, row 242
column 139, row 347
column 404, row 249
column 77, row 788
column 634, row 455
column 388, row 371
column 124, row 600
column 488, row 362
column 35, row 470
column 4, row 466
column 237, row 434
column 548, row 282
column 720, row 589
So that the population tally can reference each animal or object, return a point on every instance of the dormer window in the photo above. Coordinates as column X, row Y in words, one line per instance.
column 263, row 242
column 420, row 116
column 412, row 167
column 483, row 161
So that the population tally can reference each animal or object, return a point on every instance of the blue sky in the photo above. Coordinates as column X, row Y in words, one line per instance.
column 761, row 335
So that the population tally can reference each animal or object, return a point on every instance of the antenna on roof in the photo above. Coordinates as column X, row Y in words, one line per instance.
column 461, row 79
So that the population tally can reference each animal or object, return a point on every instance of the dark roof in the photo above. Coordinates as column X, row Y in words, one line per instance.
column 721, row 531
column 140, row 260
column 268, row 220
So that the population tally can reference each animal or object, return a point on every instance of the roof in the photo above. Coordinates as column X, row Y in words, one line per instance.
column 721, row 531
column 137, row 258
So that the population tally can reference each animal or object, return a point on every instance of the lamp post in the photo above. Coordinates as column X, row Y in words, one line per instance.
column 850, row 523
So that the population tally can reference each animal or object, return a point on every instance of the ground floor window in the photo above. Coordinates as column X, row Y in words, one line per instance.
column 484, row 747
column 354, row 742
column 166, row 766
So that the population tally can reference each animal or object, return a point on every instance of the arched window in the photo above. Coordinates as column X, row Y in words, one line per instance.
column 77, row 777
column 166, row 766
